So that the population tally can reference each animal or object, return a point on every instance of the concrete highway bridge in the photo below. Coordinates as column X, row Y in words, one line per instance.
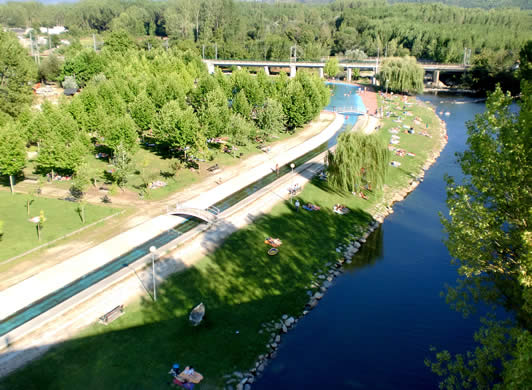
column 433, row 68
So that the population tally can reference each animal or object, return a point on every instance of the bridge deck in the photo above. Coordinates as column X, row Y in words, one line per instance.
column 346, row 65
column 204, row 215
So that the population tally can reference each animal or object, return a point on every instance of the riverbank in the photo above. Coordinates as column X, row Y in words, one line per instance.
column 242, row 287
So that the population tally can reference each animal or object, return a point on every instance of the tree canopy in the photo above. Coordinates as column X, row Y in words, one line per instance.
column 489, row 236
column 17, row 70
column 401, row 75
column 12, row 153
column 359, row 162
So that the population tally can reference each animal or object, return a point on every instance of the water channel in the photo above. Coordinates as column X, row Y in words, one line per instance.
column 375, row 325
column 344, row 95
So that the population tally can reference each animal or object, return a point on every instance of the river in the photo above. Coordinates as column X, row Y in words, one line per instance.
column 375, row 325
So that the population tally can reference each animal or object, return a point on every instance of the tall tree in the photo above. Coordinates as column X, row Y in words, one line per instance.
column 271, row 118
column 331, row 67
column 17, row 70
column 12, row 153
column 360, row 161
column 142, row 110
column 121, row 131
column 123, row 165
column 177, row 128
column 84, row 65
column 402, row 74
column 489, row 236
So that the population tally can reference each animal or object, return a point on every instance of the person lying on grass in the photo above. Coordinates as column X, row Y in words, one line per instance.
column 311, row 207
column 275, row 242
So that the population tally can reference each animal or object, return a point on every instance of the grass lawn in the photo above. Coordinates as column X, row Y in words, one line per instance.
column 150, row 163
column 241, row 286
column 20, row 234
column 415, row 143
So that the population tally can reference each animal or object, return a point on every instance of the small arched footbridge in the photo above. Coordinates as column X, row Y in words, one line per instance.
column 209, row 215
column 349, row 110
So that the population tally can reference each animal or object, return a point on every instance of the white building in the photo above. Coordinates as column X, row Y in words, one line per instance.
column 53, row 30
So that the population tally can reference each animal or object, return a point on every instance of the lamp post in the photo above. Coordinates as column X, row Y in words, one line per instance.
column 152, row 251
column 292, row 166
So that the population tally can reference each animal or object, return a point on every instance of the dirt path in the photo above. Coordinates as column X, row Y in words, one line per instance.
column 369, row 98
column 139, row 211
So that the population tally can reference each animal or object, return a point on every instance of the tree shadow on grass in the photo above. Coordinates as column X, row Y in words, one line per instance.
column 241, row 287
column 326, row 187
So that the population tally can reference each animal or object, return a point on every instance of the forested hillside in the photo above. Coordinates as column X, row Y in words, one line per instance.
column 490, row 40
column 488, row 4
column 258, row 30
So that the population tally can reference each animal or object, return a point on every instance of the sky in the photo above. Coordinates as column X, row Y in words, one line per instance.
column 42, row 1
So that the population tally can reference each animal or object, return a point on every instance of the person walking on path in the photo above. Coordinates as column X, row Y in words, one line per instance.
column 297, row 205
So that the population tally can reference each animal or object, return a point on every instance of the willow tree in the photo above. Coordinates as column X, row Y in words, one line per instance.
column 360, row 161
column 332, row 68
column 402, row 74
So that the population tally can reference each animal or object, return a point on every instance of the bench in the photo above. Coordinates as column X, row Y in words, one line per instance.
column 112, row 315
column 213, row 168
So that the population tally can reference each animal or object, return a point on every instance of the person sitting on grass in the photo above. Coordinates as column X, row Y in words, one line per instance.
column 174, row 371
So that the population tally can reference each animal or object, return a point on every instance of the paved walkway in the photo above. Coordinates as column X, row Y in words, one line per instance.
column 28, row 291
column 146, row 210
column 133, row 282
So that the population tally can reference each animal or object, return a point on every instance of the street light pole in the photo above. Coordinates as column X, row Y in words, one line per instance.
column 152, row 251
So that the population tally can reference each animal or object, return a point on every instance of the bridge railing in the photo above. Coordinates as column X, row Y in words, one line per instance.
column 213, row 210
column 209, row 215
column 348, row 110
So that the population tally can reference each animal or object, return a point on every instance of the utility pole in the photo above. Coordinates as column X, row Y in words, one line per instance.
column 377, row 63
column 49, row 40
column 94, row 41
column 215, row 51
column 37, row 51
column 31, row 46
column 203, row 51
column 153, row 251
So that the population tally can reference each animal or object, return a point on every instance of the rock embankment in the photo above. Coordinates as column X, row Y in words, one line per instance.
column 324, row 279
column 277, row 328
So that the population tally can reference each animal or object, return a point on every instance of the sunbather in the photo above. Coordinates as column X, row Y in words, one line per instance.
column 275, row 242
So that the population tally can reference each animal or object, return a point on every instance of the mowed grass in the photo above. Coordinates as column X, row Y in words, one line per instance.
column 241, row 287
column 151, row 164
column 415, row 143
column 20, row 234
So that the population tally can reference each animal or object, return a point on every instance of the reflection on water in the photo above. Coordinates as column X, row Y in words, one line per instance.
column 369, row 253
column 374, row 327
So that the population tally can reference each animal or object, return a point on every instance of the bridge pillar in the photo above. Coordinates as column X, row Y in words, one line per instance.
column 210, row 67
column 349, row 74
column 267, row 70
column 321, row 73
column 436, row 78
column 292, row 71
